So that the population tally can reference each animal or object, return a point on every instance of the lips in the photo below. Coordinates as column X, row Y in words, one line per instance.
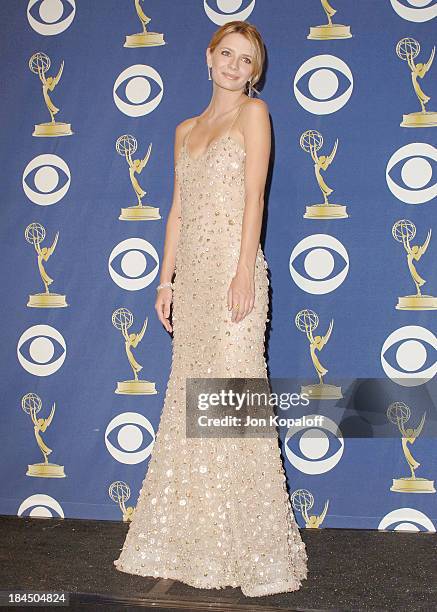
column 229, row 76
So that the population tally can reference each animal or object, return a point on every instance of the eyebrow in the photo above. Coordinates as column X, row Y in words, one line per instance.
column 232, row 49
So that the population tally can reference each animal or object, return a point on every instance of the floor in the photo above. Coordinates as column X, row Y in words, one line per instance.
column 349, row 570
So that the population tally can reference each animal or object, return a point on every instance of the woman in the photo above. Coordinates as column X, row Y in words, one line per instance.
column 215, row 512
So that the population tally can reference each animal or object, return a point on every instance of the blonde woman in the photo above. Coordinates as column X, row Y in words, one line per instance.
column 215, row 512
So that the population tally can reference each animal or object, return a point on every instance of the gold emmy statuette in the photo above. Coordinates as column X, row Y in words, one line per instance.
column 119, row 492
column 404, row 231
column 35, row 234
column 329, row 31
column 122, row 319
column 399, row 413
column 307, row 321
column 31, row 404
column 311, row 141
column 39, row 63
column 408, row 49
column 126, row 145
column 144, row 38
column 302, row 500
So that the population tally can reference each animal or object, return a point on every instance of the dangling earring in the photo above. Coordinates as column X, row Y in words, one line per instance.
column 209, row 73
column 251, row 89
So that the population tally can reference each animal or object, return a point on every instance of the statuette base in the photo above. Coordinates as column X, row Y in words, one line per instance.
column 329, row 32
column 52, row 129
column 417, row 302
column 412, row 485
column 322, row 391
column 47, row 300
column 326, row 211
column 417, row 120
column 140, row 213
column 144, row 39
column 46, row 470
column 136, row 387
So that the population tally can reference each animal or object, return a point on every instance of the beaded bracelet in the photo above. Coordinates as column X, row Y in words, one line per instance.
column 163, row 285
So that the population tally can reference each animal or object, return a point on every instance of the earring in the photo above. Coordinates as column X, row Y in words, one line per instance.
column 209, row 73
column 251, row 89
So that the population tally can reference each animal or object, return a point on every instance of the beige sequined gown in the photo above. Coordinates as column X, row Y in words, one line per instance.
column 214, row 512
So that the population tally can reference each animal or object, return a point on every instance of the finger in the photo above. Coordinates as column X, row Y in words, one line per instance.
column 160, row 312
column 229, row 298
column 237, row 311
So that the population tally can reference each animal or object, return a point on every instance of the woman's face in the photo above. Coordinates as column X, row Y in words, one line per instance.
column 231, row 61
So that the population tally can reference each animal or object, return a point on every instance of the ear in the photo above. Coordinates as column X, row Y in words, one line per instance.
column 208, row 56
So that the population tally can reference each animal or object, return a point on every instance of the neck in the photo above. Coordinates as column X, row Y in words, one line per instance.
column 221, row 104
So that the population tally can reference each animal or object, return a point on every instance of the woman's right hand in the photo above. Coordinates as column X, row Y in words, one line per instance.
column 162, row 306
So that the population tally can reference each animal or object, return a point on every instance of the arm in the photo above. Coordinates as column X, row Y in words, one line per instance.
column 164, row 296
column 256, row 130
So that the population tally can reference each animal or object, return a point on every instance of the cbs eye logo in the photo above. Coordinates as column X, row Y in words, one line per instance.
column 50, row 17
column 328, row 73
column 133, row 264
column 415, row 10
column 41, row 506
column 41, row 349
column 416, row 173
column 319, row 264
column 406, row 519
column 313, row 446
column 228, row 10
column 412, row 347
column 46, row 179
column 138, row 88
column 129, row 438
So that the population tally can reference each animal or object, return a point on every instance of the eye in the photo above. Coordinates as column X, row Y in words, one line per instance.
column 125, row 439
column 37, row 342
column 230, row 10
column 417, row 172
column 326, row 74
column 415, row 10
column 41, row 506
column 45, row 176
column 133, row 264
column 50, row 17
column 319, row 263
column 414, row 351
column 139, row 80
column 406, row 519
column 308, row 451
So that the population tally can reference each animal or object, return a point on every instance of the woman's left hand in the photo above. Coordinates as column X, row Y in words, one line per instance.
column 241, row 295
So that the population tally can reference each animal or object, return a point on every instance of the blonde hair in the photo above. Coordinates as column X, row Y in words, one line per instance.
column 253, row 36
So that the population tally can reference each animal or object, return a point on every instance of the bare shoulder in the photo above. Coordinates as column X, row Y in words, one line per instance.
column 255, row 107
column 254, row 115
column 184, row 126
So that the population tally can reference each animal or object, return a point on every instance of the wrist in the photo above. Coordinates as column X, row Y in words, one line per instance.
column 245, row 268
column 165, row 285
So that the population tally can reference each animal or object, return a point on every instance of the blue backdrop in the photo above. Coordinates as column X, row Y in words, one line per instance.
column 351, row 270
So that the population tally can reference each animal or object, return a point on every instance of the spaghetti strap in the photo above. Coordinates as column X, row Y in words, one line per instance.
column 187, row 135
column 235, row 118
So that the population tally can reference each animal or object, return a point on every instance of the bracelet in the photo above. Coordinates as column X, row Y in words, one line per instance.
column 163, row 285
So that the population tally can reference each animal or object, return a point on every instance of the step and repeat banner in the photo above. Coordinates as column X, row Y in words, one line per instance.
column 92, row 93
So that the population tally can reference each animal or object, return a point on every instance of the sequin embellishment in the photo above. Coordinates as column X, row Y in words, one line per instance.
column 214, row 512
